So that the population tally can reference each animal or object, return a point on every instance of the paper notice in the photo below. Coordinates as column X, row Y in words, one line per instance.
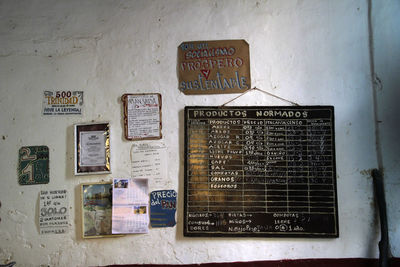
column 53, row 214
column 143, row 116
column 130, row 212
column 149, row 161
column 62, row 103
column 93, row 150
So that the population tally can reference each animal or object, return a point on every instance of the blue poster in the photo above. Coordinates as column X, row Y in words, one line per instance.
column 162, row 208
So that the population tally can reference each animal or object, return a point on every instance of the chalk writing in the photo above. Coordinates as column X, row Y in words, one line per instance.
column 275, row 165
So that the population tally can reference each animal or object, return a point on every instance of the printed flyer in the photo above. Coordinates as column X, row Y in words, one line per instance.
column 149, row 161
column 130, row 211
column 62, row 103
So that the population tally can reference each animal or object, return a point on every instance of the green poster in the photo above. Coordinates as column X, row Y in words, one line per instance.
column 33, row 167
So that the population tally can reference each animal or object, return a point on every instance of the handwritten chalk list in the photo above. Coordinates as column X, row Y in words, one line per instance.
column 260, row 171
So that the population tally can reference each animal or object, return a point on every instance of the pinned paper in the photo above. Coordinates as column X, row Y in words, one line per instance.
column 62, row 103
column 130, row 206
column 162, row 208
column 149, row 160
column 53, row 214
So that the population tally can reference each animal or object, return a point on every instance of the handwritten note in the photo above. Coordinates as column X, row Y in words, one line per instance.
column 53, row 215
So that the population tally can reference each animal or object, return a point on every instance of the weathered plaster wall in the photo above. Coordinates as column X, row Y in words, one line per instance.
column 311, row 52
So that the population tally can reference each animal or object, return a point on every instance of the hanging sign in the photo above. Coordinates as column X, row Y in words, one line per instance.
column 214, row 67
column 62, row 103
column 162, row 208
column 33, row 167
column 260, row 171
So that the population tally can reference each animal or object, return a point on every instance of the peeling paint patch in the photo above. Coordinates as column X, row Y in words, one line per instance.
column 17, row 216
column 366, row 172
column 27, row 245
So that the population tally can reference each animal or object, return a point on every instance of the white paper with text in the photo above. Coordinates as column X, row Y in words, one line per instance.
column 149, row 160
column 130, row 212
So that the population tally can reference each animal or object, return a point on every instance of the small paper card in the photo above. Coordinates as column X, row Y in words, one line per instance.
column 62, row 103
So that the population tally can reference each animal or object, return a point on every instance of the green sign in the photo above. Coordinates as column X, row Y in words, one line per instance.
column 33, row 167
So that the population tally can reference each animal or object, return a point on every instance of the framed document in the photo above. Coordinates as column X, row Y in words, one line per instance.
column 96, row 210
column 92, row 148
column 142, row 116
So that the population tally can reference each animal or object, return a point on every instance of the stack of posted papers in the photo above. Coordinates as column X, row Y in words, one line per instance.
column 130, row 212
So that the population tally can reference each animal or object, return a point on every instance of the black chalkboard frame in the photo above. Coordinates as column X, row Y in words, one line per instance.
column 335, row 220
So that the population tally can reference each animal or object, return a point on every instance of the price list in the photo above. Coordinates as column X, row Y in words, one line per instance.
column 260, row 171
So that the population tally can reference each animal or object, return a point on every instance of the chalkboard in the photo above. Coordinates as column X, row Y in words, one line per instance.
column 260, row 171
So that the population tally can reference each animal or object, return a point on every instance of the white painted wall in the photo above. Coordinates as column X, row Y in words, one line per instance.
column 311, row 52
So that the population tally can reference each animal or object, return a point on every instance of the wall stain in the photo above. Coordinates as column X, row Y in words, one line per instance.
column 366, row 172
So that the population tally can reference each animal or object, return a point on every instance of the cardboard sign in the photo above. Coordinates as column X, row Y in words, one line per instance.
column 54, row 215
column 214, row 67
column 33, row 167
column 162, row 208
column 62, row 103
